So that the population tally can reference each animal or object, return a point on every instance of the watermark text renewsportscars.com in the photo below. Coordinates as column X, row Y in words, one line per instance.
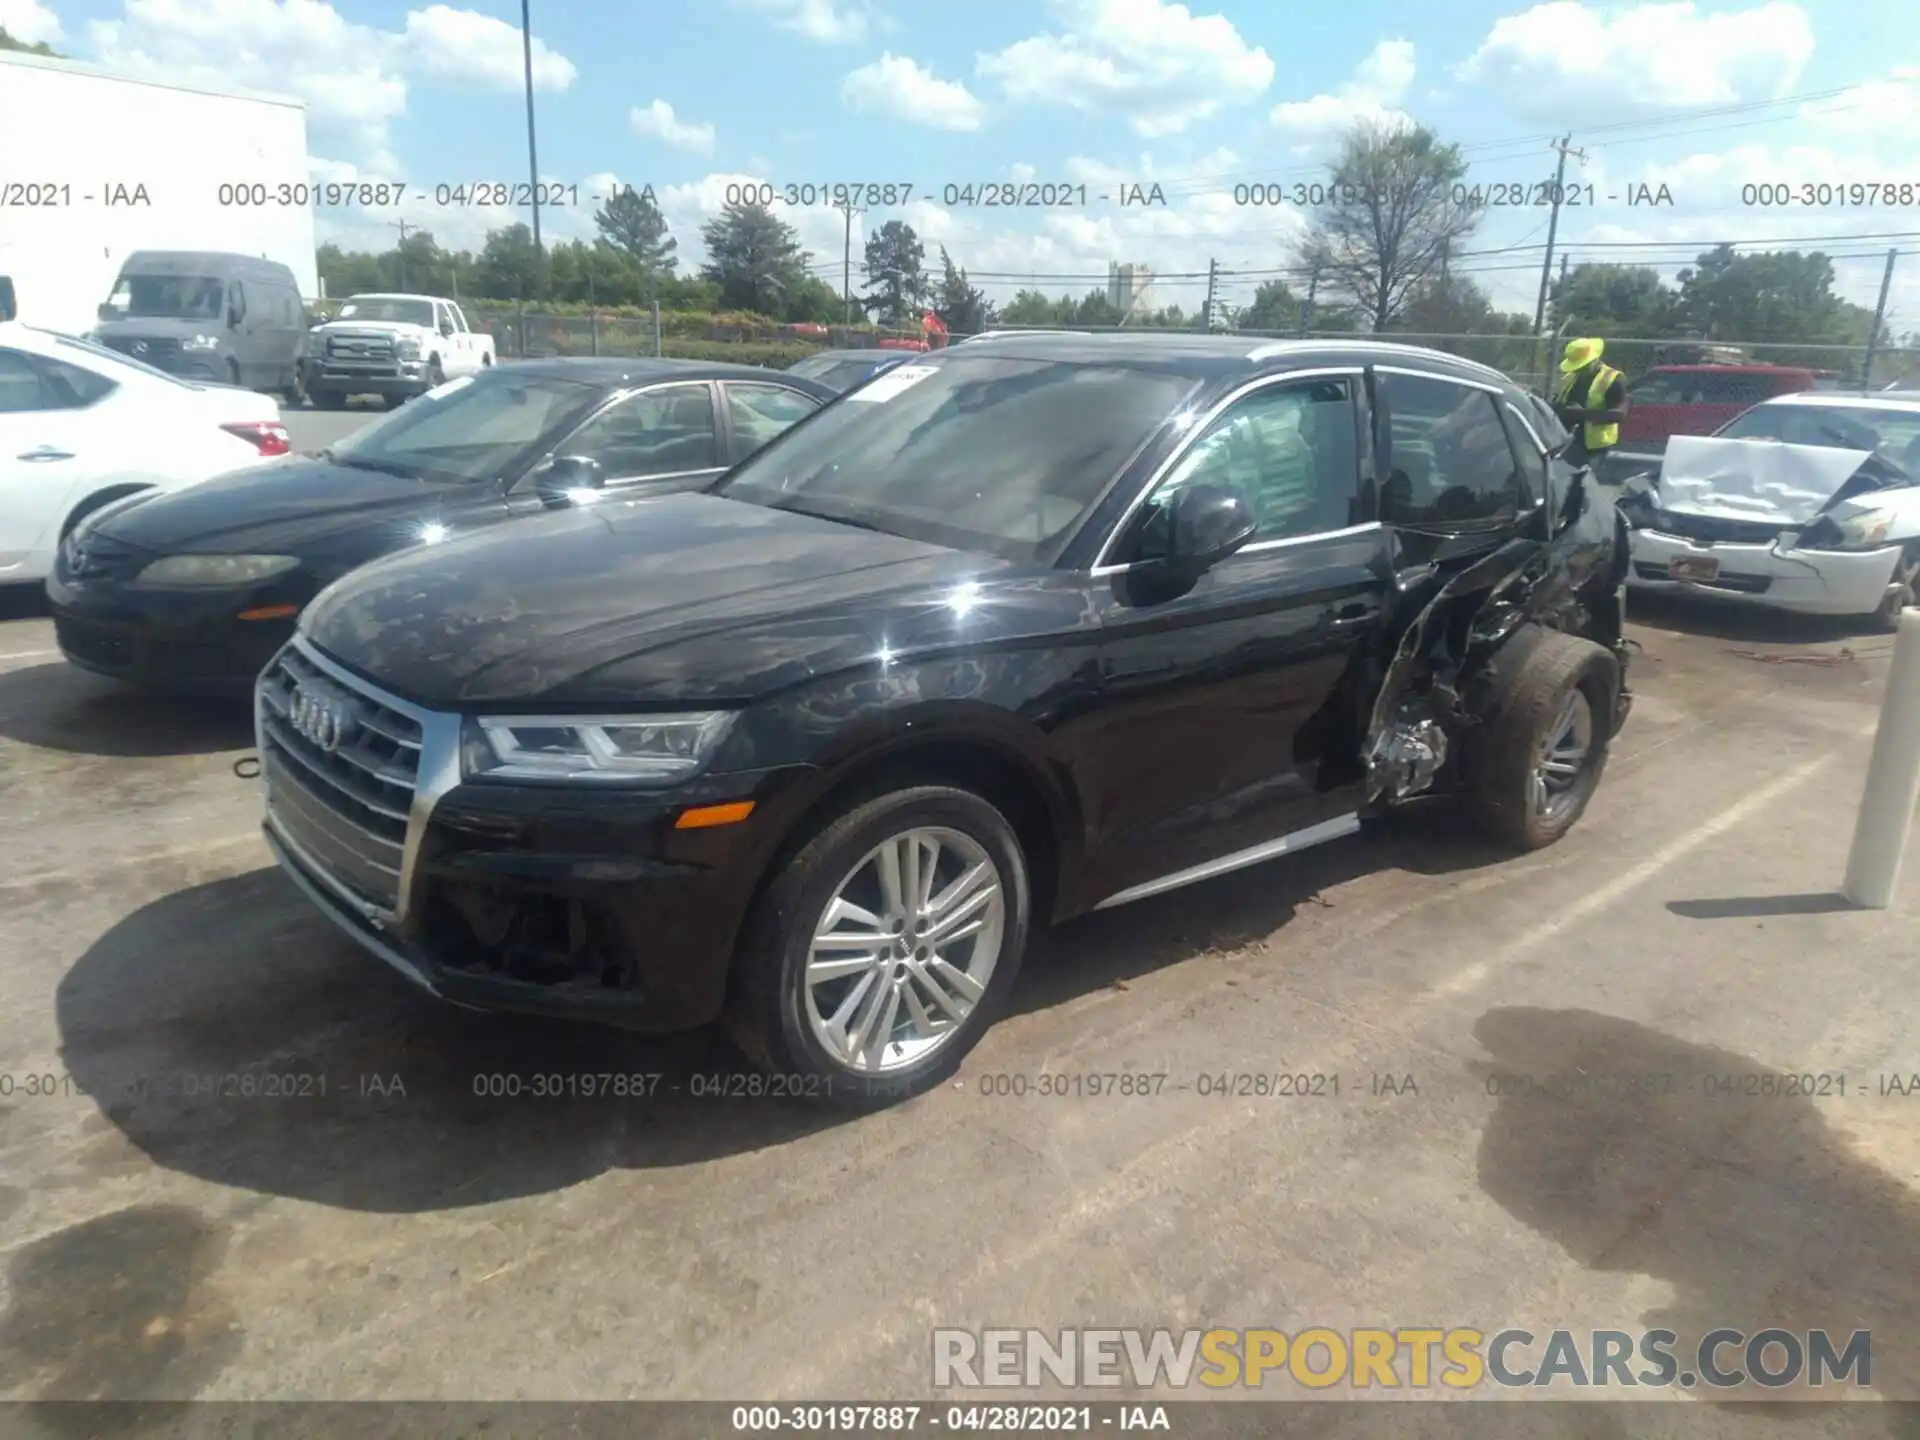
column 1398, row 1358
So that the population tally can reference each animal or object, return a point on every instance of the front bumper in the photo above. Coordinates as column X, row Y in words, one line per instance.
column 386, row 377
column 174, row 642
column 1811, row 582
column 576, row 902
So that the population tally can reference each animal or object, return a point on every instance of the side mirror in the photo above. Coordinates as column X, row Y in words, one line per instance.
column 1205, row 524
column 9, row 305
column 446, row 328
column 106, row 311
column 233, row 318
column 563, row 477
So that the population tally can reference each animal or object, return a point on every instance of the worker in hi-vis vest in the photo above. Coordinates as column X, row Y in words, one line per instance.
column 1591, row 400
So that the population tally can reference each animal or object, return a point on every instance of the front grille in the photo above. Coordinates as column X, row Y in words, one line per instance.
column 359, row 348
column 343, row 798
column 1713, row 529
column 1740, row 584
column 151, row 351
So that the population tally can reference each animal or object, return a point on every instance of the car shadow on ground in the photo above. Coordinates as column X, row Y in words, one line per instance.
column 227, row 1032
column 1749, row 624
column 58, row 707
column 1660, row 1157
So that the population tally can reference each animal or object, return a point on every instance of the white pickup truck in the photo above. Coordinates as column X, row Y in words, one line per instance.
column 394, row 346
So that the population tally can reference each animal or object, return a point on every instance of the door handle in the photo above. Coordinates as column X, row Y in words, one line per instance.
column 46, row 452
column 1349, row 616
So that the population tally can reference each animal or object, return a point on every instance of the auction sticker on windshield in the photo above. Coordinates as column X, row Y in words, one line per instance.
column 891, row 383
column 440, row 392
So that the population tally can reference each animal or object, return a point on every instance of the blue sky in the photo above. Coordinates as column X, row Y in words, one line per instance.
column 693, row 95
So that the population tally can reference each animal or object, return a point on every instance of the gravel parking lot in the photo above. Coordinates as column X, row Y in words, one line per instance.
column 391, row 1231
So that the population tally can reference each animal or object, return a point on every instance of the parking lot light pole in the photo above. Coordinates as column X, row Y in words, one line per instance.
column 533, row 158
column 1893, row 779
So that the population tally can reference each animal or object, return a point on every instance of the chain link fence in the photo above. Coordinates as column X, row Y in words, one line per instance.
column 520, row 333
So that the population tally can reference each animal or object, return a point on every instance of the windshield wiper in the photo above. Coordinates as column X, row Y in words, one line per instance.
column 833, row 518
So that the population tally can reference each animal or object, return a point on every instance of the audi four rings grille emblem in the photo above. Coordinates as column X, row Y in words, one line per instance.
column 326, row 720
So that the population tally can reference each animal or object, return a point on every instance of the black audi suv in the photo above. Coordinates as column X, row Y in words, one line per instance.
column 1038, row 625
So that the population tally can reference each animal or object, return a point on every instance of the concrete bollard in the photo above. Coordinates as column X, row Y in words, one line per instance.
column 1893, row 779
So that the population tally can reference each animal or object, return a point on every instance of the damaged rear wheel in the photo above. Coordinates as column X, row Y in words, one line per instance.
column 1549, row 713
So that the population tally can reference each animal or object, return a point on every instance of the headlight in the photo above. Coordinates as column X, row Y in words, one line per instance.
column 408, row 349
column 189, row 572
column 201, row 342
column 1863, row 530
column 651, row 749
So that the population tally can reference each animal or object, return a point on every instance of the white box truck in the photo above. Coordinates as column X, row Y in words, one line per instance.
column 96, row 166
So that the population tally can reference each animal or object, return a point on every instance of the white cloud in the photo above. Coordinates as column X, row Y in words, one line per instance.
column 1372, row 95
column 1565, row 58
column 658, row 122
column 896, row 87
column 464, row 47
column 831, row 22
column 1159, row 64
column 29, row 22
column 353, row 77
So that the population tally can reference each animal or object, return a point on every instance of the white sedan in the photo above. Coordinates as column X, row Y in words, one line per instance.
column 81, row 426
column 1809, row 502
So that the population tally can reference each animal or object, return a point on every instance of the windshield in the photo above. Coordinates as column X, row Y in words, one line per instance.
column 1894, row 434
column 389, row 308
column 472, row 429
column 986, row 453
column 166, row 297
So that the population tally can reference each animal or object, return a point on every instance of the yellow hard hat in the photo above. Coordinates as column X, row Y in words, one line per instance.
column 1580, row 353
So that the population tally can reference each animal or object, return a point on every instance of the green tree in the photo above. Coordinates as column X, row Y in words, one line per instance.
column 1390, row 221
column 1094, row 308
column 896, row 267
column 753, row 258
column 7, row 42
column 1030, row 307
column 1274, row 307
column 1610, row 300
column 961, row 308
column 630, row 221
column 508, row 267
column 1781, row 296
column 812, row 301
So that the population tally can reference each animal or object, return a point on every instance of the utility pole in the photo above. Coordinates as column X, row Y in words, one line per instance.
column 533, row 160
column 848, row 209
column 1213, row 285
column 402, row 227
column 1879, row 319
column 1306, row 306
column 1562, row 146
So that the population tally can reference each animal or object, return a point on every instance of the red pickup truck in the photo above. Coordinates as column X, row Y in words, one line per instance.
column 1671, row 400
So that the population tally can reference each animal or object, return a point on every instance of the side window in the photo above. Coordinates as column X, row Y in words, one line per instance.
column 657, row 432
column 459, row 319
column 1289, row 449
column 20, row 387
column 760, row 412
column 1528, row 454
column 1448, row 459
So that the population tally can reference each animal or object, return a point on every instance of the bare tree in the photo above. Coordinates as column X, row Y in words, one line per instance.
column 1394, row 211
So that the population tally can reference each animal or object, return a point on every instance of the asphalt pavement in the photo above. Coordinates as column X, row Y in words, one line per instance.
column 395, row 1227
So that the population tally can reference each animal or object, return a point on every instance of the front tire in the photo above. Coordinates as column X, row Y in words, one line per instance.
column 1902, row 590
column 1549, row 721
column 884, row 947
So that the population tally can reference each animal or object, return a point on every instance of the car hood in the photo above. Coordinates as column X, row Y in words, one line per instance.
column 1766, row 481
column 290, row 506
column 688, row 599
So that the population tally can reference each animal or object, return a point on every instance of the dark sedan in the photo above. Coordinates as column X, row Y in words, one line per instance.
column 841, row 370
column 1037, row 626
column 193, row 591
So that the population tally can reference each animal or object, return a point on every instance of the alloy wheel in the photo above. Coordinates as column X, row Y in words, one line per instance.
column 1556, row 775
column 904, row 950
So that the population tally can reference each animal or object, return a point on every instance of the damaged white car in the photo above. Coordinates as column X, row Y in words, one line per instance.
column 1809, row 503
